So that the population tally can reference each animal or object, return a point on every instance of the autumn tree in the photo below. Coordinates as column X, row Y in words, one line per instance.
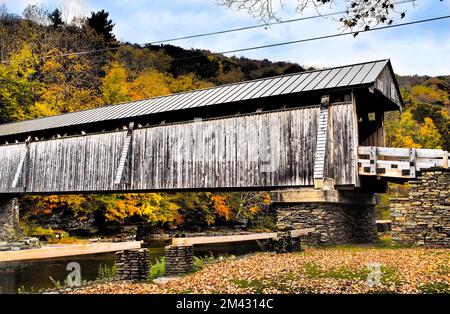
column 196, row 209
column 240, row 205
column 78, row 205
column 429, row 95
column 65, row 81
column 153, row 208
column 149, row 84
column 137, row 59
column 18, row 89
column 118, row 87
column 115, row 87
column 440, row 118
column 403, row 131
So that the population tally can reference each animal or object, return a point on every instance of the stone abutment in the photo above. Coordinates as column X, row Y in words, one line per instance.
column 423, row 218
column 328, row 219
column 9, row 218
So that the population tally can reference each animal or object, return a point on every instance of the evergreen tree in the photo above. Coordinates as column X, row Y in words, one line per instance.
column 56, row 18
column 102, row 25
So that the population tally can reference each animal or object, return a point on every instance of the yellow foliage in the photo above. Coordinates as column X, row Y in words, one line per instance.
column 186, row 83
column 429, row 94
column 411, row 134
column 153, row 207
column 23, row 64
column 429, row 135
column 114, row 86
column 149, row 84
column 254, row 210
column 267, row 199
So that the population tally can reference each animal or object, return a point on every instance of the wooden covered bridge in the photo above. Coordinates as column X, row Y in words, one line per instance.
column 318, row 132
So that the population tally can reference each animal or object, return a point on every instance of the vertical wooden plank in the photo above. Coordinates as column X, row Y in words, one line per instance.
column 412, row 162
column 373, row 160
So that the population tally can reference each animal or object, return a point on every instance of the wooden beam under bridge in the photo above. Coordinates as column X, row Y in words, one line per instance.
column 223, row 239
column 313, row 195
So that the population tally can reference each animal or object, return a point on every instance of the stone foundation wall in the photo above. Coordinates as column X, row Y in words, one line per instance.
column 132, row 264
column 328, row 223
column 283, row 244
column 179, row 259
column 9, row 219
column 423, row 218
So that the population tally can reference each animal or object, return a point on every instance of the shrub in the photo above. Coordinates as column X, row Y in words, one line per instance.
column 105, row 272
column 157, row 269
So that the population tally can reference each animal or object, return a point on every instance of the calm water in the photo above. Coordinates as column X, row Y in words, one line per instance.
column 35, row 275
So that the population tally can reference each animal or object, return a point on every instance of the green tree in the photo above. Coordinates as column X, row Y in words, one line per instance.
column 102, row 25
column 55, row 18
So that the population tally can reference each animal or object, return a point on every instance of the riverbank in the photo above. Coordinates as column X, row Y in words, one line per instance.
column 62, row 250
column 349, row 269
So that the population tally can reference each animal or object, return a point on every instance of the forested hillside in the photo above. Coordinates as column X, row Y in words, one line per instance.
column 40, row 77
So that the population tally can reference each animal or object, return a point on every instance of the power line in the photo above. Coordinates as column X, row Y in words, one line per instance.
column 304, row 40
column 215, row 32
column 265, row 25
column 287, row 42
column 336, row 35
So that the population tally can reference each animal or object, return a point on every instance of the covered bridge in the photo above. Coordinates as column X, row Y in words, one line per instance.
column 315, row 139
column 269, row 133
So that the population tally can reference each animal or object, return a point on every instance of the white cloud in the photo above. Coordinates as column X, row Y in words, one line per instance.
column 420, row 49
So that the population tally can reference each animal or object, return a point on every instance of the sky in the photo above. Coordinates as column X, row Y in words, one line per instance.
column 422, row 49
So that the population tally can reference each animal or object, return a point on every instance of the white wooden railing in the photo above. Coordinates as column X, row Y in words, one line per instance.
column 399, row 162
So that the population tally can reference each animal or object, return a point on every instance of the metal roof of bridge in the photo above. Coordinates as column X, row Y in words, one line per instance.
column 339, row 77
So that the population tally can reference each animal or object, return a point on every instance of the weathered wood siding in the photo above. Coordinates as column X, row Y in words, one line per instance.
column 9, row 161
column 385, row 83
column 82, row 163
column 342, row 145
column 261, row 150
column 264, row 150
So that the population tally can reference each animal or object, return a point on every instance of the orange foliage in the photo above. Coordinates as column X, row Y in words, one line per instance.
column 221, row 207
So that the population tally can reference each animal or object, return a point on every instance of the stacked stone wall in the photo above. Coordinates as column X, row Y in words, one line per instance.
column 284, row 243
column 132, row 264
column 179, row 259
column 328, row 223
column 423, row 218
column 9, row 219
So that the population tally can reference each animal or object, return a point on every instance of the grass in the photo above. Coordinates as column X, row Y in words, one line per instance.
column 105, row 272
column 256, row 285
column 384, row 242
column 158, row 268
column 435, row 287
column 200, row 262
column 314, row 271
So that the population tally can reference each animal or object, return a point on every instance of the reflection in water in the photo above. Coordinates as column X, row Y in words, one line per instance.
column 35, row 275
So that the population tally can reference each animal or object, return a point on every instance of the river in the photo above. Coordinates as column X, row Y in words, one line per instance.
column 33, row 275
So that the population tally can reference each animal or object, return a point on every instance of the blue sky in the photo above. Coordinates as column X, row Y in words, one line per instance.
column 419, row 49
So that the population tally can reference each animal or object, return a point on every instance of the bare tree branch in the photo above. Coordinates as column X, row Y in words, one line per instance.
column 360, row 13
